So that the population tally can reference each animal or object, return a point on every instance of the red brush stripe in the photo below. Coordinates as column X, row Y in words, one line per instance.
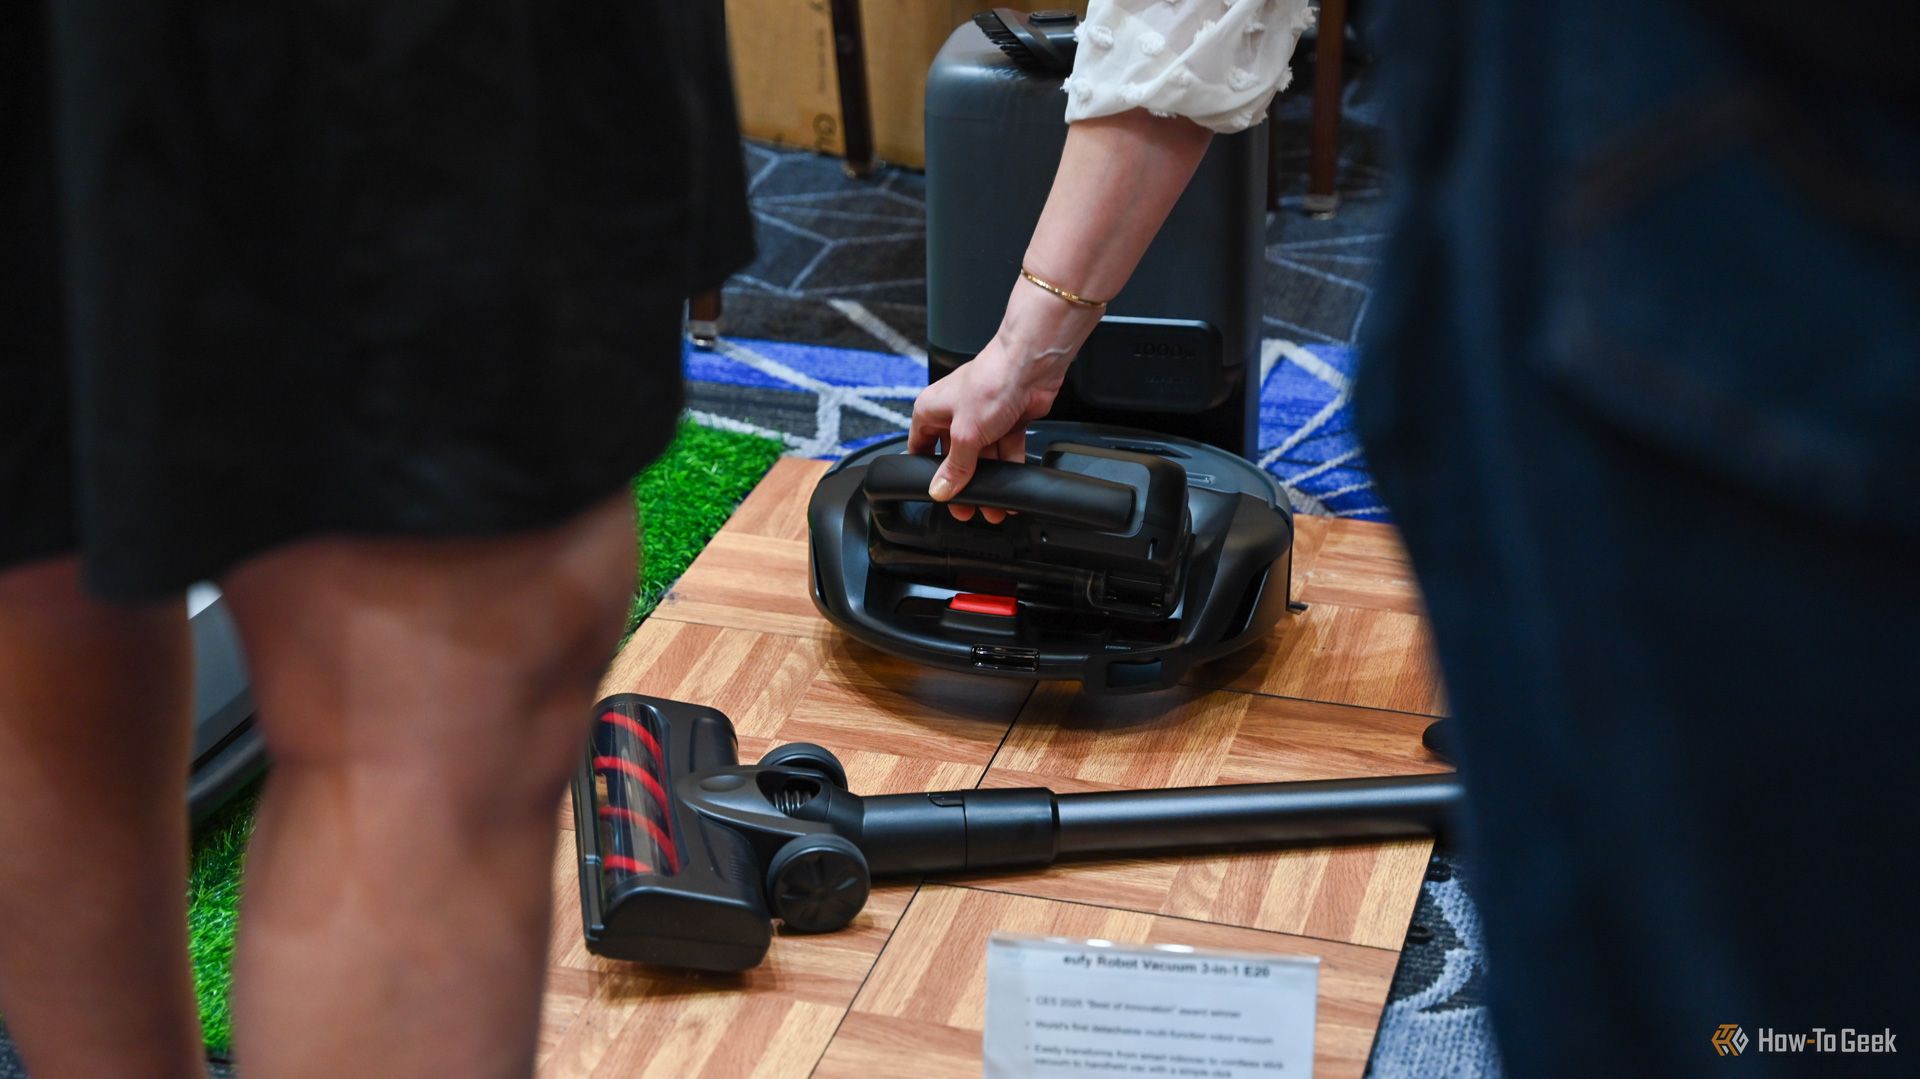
column 638, row 730
column 621, row 861
column 653, row 829
column 628, row 768
column 619, row 720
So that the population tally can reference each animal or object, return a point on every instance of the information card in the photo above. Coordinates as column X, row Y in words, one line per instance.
column 1090, row 1007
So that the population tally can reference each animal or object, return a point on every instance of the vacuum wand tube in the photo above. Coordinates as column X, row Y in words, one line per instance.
column 955, row 831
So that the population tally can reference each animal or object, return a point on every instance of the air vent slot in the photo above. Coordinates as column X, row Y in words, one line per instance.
column 995, row 657
column 1169, row 452
column 1132, row 590
column 791, row 792
column 1243, row 617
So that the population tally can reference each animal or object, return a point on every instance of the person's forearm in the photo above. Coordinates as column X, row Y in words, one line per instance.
column 1118, row 179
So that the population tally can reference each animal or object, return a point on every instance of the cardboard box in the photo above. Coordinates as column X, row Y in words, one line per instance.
column 784, row 73
column 902, row 37
column 786, row 67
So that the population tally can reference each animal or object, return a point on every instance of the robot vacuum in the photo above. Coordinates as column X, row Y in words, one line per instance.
column 1129, row 557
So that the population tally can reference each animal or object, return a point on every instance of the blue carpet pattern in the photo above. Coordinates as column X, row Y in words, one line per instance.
column 845, row 398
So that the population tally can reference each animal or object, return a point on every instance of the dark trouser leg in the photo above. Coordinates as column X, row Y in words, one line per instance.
column 1687, row 728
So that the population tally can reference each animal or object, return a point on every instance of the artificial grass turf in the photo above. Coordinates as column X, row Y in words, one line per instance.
column 684, row 498
column 213, row 905
column 680, row 501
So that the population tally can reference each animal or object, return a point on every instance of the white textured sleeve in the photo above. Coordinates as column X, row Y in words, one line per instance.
column 1215, row 62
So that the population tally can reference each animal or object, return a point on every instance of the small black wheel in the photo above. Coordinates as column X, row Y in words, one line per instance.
column 817, row 883
column 809, row 756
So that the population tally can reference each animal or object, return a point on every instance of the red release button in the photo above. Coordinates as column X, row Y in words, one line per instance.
column 979, row 603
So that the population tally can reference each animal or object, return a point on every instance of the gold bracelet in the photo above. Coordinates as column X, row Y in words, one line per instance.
column 1076, row 300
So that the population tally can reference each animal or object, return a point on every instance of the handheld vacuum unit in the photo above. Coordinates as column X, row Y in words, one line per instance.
column 1130, row 557
column 688, row 856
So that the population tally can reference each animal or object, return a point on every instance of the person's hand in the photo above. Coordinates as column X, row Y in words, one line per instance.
column 1119, row 177
column 981, row 410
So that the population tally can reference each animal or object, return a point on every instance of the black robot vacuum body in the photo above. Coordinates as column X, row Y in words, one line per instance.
column 1130, row 557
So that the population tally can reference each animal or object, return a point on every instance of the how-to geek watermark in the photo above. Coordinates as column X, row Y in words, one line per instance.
column 1729, row 1040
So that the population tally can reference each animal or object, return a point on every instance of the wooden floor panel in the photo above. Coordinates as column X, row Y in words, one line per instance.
column 926, row 998
column 896, row 725
column 1341, row 690
column 617, row 1019
column 748, row 582
column 1358, row 893
column 1353, row 564
column 1363, row 656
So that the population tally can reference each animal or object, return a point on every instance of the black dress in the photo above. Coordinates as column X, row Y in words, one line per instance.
column 276, row 271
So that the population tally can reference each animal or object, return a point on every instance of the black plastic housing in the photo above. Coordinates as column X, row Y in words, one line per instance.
column 228, row 749
column 1043, row 41
column 1095, row 528
column 702, row 907
column 1198, row 569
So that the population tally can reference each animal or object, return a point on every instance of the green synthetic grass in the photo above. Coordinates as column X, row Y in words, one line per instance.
column 680, row 501
column 684, row 498
column 213, row 901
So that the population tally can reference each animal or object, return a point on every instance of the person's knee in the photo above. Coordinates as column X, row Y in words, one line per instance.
column 460, row 671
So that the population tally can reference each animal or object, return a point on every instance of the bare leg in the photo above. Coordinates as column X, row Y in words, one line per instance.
column 94, row 742
column 424, row 703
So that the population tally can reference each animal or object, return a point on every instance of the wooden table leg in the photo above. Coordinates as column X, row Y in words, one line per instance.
column 1328, row 58
column 850, row 63
column 1275, row 182
column 703, row 319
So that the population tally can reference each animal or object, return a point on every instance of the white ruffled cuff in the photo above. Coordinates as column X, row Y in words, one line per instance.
column 1215, row 62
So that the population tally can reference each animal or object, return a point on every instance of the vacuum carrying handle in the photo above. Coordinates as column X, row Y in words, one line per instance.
column 1068, row 497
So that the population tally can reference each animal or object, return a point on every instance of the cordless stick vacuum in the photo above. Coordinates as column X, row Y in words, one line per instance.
column 687, row 856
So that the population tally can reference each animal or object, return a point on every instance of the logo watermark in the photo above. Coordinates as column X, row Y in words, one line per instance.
column 1729, row 1040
